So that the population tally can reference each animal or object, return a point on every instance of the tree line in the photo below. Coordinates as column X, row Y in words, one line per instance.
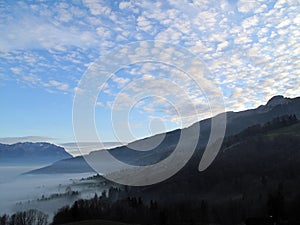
column 30, row 217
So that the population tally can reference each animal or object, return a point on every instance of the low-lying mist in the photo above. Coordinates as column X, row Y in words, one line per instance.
column 46, row 193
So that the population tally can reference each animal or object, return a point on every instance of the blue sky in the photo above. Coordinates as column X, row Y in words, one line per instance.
column 251, row 49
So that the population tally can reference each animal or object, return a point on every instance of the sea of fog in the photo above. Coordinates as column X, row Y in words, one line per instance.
column 22, row 192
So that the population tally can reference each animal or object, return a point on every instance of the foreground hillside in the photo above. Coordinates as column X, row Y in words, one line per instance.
column 255, row 179
column 96, row 222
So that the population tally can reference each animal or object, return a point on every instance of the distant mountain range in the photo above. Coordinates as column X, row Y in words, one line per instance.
column 86, row 147
column 236, row 122
column 29, row 153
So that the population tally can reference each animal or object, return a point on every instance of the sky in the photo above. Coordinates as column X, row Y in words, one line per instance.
column 250, row 50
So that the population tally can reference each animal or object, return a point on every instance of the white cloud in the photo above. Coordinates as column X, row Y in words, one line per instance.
column 120, row 81
column 246, row 6
column 97, row 8
column 144, row 23
column 16, row 70
column 242, row 49
column 42, row 26
column 56, row 84
column 100, row 104
column 124, row 5
column 222, row 45
column 284, row 23
column 32, row 33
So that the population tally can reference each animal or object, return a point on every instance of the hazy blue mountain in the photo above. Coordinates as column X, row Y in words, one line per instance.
column 236, row 122
column 31, row 153
column 70, row 165
column 85, row 147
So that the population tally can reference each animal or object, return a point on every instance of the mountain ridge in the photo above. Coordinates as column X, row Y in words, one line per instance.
column 31, row 153
column 236, row 122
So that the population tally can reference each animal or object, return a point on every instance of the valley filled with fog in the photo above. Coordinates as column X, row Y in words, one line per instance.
column 47, row 193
